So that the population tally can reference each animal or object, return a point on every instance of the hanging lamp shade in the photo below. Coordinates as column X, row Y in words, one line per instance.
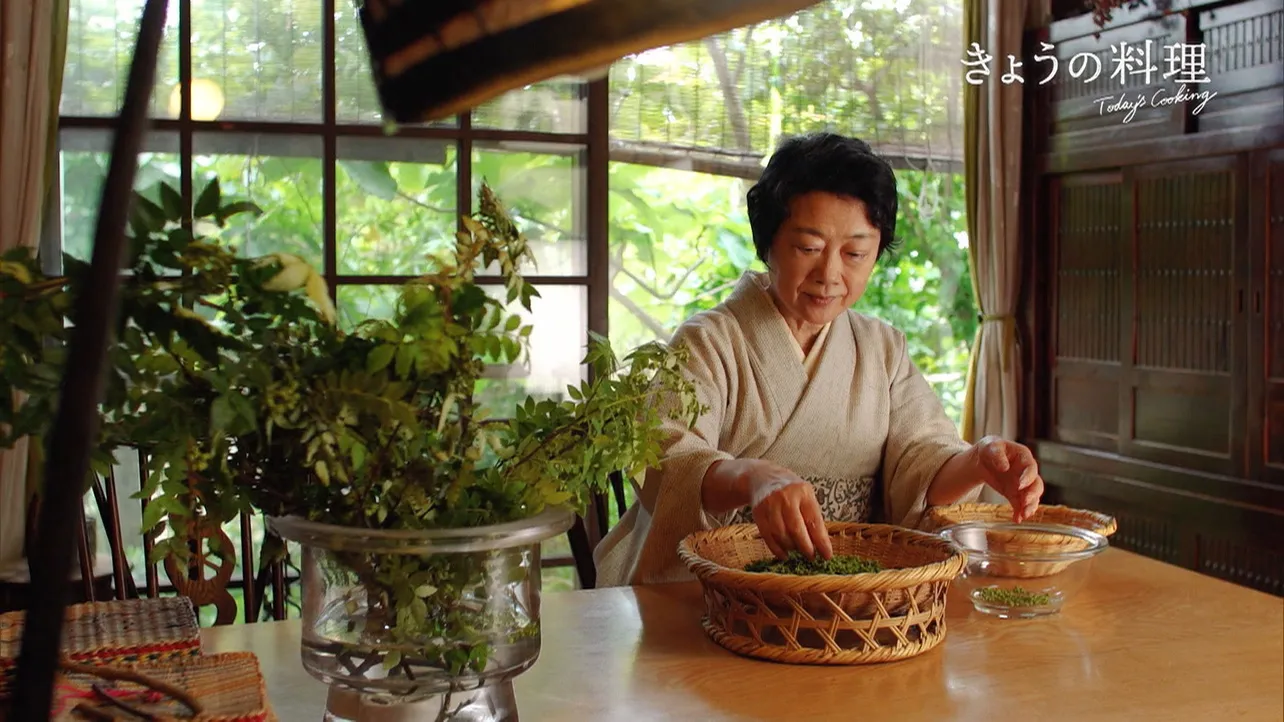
column 433, row 59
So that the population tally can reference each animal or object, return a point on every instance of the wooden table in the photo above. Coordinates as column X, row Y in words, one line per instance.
column 1143, row 641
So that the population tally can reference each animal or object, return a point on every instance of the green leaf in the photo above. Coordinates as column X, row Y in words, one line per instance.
column 417, row 609
column 372, row 177
column 477, row 657
column 152, row 515
column 151, row 217
column 207, row 204
column 172, row 202
column 513, row 322
column 405, row 359
column 99, row 467
column 512, row 349
column 179, row 239
column 222, row 414
column 173, row 505
column 245, row 413
column 392, row 660
column 528, row 292
column 456, row 659
column 380, row 357
column 358, row 454
column 160, row 551
column 470, row 298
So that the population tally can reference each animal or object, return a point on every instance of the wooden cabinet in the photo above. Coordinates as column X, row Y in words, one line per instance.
column 1266, row 319
column 1164, row 342
column 1154, row 306
column 1151, row 326
column 1184, row 377
column 1089, row 257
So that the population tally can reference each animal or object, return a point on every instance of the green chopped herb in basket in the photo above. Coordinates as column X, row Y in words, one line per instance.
column 1014, row 597
column 799, row 565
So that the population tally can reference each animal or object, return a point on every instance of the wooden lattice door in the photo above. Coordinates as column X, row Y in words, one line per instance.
column 1185, row 372
column 1091, row 247
column 1266, row 354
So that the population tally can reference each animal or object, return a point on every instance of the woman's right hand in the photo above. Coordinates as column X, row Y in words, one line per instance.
column 786, row 511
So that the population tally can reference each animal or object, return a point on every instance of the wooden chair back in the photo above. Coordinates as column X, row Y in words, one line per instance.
column 207, row 578
column 584, row 536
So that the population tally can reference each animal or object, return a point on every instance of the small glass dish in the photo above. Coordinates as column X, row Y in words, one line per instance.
column 1022, row 571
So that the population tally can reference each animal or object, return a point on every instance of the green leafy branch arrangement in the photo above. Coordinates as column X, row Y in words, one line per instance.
column 231, row 374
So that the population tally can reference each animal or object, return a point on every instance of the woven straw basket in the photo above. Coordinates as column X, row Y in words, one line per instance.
column 830, row 619
column 1030, row 544
column 227, row 687
column 113, row 632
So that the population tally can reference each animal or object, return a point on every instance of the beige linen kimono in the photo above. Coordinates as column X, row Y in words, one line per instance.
column 863, row 425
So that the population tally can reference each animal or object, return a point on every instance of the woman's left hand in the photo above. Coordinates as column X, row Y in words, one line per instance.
column 1010, row 469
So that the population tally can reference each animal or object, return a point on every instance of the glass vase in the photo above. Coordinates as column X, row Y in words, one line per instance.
column 422, row 625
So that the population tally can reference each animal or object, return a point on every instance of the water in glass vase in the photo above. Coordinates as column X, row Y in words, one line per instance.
column 492, row 703
column 403, row 626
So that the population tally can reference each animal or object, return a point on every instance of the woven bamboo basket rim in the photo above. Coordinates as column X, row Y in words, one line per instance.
column 1089, row 543
column 710, row 571
column 1102, row 524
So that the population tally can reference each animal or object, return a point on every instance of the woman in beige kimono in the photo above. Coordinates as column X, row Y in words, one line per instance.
column 816, row 412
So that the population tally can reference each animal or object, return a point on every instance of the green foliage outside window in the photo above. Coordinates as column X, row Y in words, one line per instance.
column 678, row 240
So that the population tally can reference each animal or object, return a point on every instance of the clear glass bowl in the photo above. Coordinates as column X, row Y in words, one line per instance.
column 1023, row 570
column 413, row 617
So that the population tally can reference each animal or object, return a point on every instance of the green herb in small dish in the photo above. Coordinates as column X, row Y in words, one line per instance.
column 798, row 565
column 1014, row 597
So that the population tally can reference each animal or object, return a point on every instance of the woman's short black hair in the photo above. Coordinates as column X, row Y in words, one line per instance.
column 822, row 162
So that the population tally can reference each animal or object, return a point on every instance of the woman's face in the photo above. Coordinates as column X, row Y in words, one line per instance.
column 821, row 257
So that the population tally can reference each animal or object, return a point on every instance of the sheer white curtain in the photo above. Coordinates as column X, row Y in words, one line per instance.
column 32, row 47
column 992, row 163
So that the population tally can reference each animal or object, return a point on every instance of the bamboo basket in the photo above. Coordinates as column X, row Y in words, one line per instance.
column 228, row 687
column 1035, row 545
column 114, row 632
column 826, row 619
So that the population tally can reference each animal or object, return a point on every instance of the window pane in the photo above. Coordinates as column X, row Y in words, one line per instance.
column 543, row 186
column 83, row 168
column 886, row 72
column 357, row 100
column 100, row 46
column 558, row 546
column 557, row 343
column 553, row 106
column 256, row 60
column 557, row 346
column 357, row 303
column 679, row 241
column 393, row 214
column 279, row 173
column 559, row 579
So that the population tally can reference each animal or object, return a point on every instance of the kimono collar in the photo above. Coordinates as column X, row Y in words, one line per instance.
column 773, row 346
column 753, row 297
column 773, row 351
